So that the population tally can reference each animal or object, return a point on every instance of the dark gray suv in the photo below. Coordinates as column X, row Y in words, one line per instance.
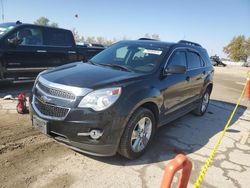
column 117, row 100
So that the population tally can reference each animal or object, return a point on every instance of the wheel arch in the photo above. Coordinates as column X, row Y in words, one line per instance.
column 152, row 107
column 209, row 87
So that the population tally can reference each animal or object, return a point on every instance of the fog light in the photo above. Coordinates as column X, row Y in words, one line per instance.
column 94, row 134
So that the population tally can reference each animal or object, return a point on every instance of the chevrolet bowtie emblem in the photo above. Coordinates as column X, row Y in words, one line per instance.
column 45, row 99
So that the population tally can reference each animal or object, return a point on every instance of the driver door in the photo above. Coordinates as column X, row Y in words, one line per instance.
column 175, row 86
column 28, row 57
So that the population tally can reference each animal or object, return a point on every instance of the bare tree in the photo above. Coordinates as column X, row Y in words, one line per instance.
column 90, row 40
column 100, row 40
column 77, row 36
column 147, row 35
column 153, row 36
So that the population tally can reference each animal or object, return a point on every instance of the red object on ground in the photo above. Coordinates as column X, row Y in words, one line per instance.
column 178, row 163
column 247, row 91
column 21, row 105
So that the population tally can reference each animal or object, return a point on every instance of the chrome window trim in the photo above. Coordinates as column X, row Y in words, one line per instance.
column 184, row 48
column 44, row 45
column 77, row 91
column 48, row 117
column 167, row 61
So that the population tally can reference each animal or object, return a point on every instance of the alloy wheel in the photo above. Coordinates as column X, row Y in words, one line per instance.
column 205, row 102
column 141, row 134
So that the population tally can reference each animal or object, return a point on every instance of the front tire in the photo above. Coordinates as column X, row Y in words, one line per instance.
column 137, row 134
column 203, row 104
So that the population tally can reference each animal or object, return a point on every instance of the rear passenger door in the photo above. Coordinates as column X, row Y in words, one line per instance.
column 60, row 46
column 196, row 73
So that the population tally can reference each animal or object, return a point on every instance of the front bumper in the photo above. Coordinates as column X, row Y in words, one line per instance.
column 82, row 121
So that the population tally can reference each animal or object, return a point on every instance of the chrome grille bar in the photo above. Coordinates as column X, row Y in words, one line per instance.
column 49, row 111
column 56, row 92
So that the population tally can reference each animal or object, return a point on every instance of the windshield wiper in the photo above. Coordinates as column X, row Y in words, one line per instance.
column 91, row 62
column 117, row 66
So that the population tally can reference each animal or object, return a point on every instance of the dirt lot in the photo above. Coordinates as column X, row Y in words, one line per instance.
column 30, row 159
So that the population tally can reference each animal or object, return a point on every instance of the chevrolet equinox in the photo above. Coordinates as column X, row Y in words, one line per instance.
column 116, row 101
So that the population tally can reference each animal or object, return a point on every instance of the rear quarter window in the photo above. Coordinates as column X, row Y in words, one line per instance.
column 57, row 37
column 205, row 57
column 194, row 60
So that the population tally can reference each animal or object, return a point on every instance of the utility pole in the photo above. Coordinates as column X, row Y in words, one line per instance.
column 2, row 10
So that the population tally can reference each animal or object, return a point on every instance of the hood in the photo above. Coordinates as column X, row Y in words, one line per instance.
column 85, row 75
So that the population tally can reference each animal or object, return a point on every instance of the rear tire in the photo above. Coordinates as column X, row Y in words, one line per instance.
column 203, row 104
column 138, row 134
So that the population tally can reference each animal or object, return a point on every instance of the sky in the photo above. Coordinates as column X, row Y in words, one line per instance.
column 212, row 23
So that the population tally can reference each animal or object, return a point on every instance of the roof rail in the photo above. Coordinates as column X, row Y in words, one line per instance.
column 146, row 39
column 189, row 43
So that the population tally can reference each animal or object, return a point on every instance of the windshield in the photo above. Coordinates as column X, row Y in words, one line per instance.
column 137, row 57
column 4, row 28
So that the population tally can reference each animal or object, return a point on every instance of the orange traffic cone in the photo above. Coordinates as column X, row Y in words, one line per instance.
column 247, row 91
column 178, row 163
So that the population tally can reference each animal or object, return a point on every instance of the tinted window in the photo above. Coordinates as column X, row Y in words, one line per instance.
column 194, row 60
column 205, row 57
column 29, row 36
column 179, row 58
column 56, row 37
column 202, row 63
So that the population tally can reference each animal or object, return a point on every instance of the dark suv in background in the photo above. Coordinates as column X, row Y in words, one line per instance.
column 116, row 101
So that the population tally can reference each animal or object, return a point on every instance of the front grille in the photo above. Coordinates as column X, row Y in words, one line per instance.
column 56, row 92
column 50, row 110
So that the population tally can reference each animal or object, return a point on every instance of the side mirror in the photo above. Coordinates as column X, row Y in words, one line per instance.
column 175, row 69
column 14, row 41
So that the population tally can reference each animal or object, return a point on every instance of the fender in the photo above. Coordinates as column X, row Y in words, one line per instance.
column 140, row 97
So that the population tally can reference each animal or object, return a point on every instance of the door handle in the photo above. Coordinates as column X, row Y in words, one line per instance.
column 41, row 51
column 188, row 78
column 71, row 52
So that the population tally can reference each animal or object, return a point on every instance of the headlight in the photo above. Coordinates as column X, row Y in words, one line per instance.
column 100, row 99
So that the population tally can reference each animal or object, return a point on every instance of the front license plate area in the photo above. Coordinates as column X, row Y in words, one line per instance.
column 40, row 124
